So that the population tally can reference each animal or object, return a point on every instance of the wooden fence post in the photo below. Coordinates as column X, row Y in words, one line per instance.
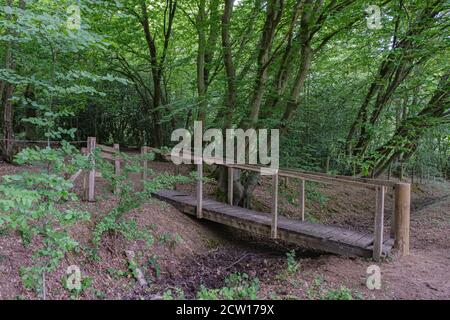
column 85, row 177
column 379, row 225
column 302, row 199
column 91, row 145
column 274, row 231
column 200, row 191
column 402, row 217
column 230, row 184
column 117, row 168
column 394, row 201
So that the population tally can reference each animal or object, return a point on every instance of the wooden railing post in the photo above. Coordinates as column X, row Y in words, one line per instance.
column 402, row 217
column 394, row 204
column 200, row 191
column 230, row 184
column 274, row 229
column 379, row 224
column 84, row 152
column 117, row 168
column 302, row 199
column 91, row 145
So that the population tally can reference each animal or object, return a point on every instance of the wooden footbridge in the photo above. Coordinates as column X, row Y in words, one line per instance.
column 317, row 236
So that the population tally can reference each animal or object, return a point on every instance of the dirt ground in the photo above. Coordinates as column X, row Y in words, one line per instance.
column 187, row 253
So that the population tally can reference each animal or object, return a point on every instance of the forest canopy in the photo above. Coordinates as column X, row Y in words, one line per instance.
column 355, row 86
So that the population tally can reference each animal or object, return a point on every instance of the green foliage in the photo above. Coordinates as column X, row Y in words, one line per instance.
column 171, row 239
column 117, row 274
column 177, row 295
column 153, row 262
column 319, row 291
column 237, row 287
column 291, row 268
column 343, row 293
column 36, row 205
column 292, row 265
column 75, row 293
column 128, row 199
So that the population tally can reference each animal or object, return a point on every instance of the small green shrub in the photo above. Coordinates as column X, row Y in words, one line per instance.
column 170, row 295
column 292, row 265
column 237, row 287
column 153, row 261
column 343, row 293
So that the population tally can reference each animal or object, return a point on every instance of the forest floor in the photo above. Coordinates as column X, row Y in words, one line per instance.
column 187, row 253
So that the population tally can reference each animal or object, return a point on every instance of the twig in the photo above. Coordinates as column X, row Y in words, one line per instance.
column 237, row 261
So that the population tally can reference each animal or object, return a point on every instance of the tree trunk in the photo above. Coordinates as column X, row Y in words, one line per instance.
column 393, row 70
column 273, row 17
column 30, row 112
column 412, row 129
column 6, row 94
column 157, row 63
column 201, row 83
column 230, row 71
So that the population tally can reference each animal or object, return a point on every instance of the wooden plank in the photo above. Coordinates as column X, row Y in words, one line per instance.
column 91, row 145
column 107, row 156
column 200, row 191
column 357, row 181
column 379, row 219
column 327, row 180
column 378, row 182
column 393, row 227
column 302, row 199
column 311, row 176
column 313, row 235
column 106, row 148
column 75, row 176
column 230, row 184
column 274, row 206
column 85, row 186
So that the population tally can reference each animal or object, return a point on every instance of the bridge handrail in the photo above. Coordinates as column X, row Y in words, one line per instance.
column 400, row 219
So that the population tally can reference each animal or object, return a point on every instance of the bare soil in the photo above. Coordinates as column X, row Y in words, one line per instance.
column 187, row 253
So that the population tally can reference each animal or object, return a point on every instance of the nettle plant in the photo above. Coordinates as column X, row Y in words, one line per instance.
column 37, row 205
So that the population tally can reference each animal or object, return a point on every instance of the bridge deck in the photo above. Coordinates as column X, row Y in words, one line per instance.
column 311, row 235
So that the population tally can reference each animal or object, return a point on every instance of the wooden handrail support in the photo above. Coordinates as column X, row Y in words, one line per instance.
column 230, row 184
column 379, row 223
column 91, row 145
column 401, row 221
column 200, row 191
column 302, row 199
column 274, row 227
